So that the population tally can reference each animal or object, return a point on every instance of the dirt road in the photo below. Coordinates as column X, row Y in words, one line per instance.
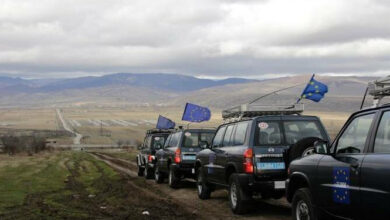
column 78, row 137
column 215, row 208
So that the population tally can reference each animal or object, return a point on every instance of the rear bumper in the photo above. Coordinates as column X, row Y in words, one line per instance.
column 185, row 169
column 249, row 183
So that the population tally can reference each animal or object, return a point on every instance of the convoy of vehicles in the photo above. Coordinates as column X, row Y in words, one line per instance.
column 274, row 151
column 177, row 159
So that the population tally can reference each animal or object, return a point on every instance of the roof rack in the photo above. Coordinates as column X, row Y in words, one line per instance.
column 253, row 110
column 156, row 130
column 378, row 89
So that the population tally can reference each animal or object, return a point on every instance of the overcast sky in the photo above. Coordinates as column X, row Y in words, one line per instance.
column 207, row 38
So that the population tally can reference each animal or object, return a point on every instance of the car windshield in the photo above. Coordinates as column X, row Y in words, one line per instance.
column 193, row 139
column 297, row 130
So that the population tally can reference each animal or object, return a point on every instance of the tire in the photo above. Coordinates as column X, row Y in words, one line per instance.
column 304, row 145
column 302, row 204
column 148, row 172
column 204, row 189
column 158, row 176
column 240, row 201
column 140, row 171
column 173, row 180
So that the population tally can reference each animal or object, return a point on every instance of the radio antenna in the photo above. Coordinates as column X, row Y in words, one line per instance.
column 274, row 92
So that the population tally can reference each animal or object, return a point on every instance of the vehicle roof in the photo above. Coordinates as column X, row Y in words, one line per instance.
column 384, row 106
column 159, row 134
column 197, row 130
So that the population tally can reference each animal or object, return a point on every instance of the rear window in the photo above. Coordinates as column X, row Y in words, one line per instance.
column 270, row 132
column 297, row 130
column 158, row 142
column 193, row 139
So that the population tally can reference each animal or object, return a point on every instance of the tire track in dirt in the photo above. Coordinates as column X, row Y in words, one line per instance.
column 215, row 208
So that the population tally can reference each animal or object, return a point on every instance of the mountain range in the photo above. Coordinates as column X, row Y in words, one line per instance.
column 121, row 89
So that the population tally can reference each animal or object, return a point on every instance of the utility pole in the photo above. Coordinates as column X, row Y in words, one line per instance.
column 101, row 128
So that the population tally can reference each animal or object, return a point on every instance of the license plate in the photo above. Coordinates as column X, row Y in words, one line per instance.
column 280, row 184
column 271, row 166
column 189, row 157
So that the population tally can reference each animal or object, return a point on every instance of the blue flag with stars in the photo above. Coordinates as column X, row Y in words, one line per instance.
column 196, row 113
column 314, row 90
column 164, row 123
column 341, row 182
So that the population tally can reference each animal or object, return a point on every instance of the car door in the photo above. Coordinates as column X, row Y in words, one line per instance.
column 210, row 161
column 339, row 174
column 146, row 149
column 160, row 154
column 375, row 174
column 222, row 154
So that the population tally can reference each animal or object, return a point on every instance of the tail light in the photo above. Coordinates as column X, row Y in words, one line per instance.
column 150, row 158
column 177, row 156
column 248, row 160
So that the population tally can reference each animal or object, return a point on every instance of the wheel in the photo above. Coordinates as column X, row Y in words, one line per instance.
column 302, row 206
column 173, row 180
column 302, row 148
column 148, row 172
column 204, row 189
column 140, row 171
column 158, row 176
column 240, row 200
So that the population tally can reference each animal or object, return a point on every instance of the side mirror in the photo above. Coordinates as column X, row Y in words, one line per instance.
column 321, row 147
column 203, row 144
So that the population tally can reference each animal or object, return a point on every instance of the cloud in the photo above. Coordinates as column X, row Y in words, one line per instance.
column 214, row 38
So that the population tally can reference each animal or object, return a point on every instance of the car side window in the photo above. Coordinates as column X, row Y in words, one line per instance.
column 147, row 142
column 355, row 135
column 382, row 139
column 175, row 139
column 228, row 135
column 168, row 141
column 239, row 135
column 218, row 137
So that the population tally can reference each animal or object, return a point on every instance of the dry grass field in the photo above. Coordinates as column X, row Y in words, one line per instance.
column 40, row 119
column 121, row 125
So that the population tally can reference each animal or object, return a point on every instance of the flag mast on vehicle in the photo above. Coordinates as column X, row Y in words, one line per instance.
column 314, row 90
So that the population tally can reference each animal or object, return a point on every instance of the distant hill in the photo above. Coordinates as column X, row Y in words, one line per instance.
column 345, row 93
column 167, row 82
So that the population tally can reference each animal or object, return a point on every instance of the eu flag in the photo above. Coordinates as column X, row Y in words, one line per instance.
column 314, row 90
column 341, row 182
column 196, row 113
column 164, row 123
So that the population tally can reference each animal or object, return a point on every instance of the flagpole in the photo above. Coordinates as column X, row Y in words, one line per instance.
column 300, row 98
column 257, row 99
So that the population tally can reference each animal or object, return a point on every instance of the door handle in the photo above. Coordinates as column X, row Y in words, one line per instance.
column 354, row 165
